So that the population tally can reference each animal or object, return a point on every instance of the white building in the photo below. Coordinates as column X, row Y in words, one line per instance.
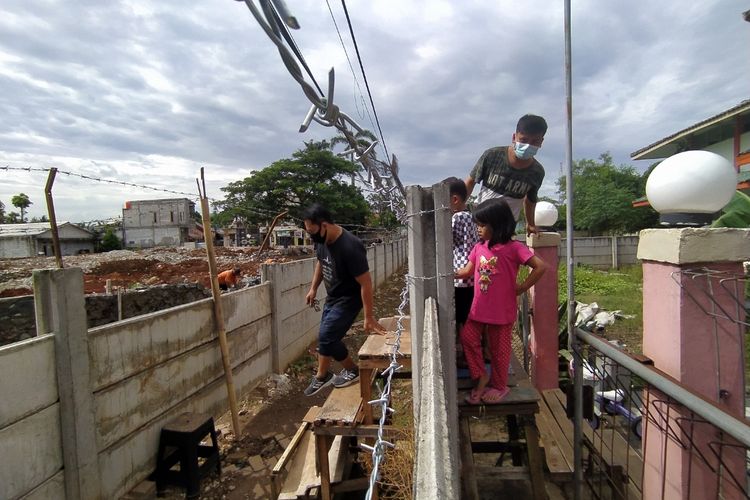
column 148, row 223
column 35, row 238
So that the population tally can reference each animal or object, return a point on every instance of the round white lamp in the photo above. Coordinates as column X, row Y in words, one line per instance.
column 688, row 188
column 545, row 214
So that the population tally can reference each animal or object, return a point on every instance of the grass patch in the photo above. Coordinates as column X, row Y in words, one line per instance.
column 613, row 289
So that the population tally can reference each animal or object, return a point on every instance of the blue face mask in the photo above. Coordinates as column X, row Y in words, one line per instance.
column 524, row 151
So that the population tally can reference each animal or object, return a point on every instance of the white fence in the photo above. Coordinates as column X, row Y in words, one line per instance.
column 82, row 410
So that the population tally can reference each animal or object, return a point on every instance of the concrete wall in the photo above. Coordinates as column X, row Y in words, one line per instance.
column 17, row 247
column 139, row 374
column 603, row 251
column 17, row 320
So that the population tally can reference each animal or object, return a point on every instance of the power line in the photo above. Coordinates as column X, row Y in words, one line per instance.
column 364, row 76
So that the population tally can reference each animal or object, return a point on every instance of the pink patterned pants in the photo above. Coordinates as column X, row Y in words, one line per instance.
column 498, row 339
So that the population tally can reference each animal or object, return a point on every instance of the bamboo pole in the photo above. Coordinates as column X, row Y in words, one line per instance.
column 218, row 314
column 52, row 218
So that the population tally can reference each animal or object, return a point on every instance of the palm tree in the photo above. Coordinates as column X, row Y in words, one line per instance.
column 21, row 201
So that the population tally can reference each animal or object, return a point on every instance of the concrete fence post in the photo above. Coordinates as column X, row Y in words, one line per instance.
column 421, row 272
column 615, row 253
column 61, row 309
column 688, row 334
column 544, row 341
column 446, row 307
column 272, row 273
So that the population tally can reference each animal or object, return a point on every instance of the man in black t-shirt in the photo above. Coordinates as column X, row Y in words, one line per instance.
column 342, row 266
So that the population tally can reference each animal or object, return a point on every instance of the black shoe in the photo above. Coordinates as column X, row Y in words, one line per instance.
column 316, row 385
column 345, row 378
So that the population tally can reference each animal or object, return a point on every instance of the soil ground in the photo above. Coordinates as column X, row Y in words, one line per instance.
column 148, row 267
column 269, row 417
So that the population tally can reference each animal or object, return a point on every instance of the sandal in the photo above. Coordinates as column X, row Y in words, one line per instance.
column 492, row 396
column 475, row 396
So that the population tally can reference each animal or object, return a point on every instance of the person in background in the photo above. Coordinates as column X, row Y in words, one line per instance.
column 511, row 172
column 494, row 263
column 464, row 239
column 229, row 278
column 342, row 265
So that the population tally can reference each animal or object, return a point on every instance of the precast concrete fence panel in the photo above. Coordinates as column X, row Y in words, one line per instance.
column 83, row 408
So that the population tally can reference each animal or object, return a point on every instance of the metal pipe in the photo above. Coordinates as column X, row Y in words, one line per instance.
column 736, row 428
column 572, row 344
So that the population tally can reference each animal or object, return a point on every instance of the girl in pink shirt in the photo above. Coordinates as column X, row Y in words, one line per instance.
column 494, row 263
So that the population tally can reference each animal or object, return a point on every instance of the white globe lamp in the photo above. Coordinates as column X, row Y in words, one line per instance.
column 688, row 188
column 545, row 214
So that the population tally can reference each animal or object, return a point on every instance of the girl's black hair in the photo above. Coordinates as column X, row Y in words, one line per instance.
column 496, row 213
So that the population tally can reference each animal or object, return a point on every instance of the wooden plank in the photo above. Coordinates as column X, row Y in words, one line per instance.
column 28, row 378
column 554, row 456
column 341, row 407
column 468, row 476
column 381, row 346
column 518, row 395
column 611, row 445
column 31, row 452
column 302, row 472
column 536, row 473
column 127, row 405
column 311, row 414
column 560, row 432
column 391, row 322
column 290, row 449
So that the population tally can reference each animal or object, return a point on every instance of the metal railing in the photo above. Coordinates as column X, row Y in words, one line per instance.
column 636, row 414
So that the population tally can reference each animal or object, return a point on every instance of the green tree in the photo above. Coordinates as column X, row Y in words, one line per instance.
column 12, row 218
column 110, row 241
column 2, row 212
column 43, row 218
column 602, row 197
column 22, row 202
column 310, row 175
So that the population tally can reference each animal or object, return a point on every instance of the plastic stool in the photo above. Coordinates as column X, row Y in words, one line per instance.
column 180, row 443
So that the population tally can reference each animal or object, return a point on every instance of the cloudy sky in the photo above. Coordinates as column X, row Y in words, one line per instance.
column 147, row 92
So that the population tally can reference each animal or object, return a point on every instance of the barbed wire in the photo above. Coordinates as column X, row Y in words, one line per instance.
column 109, row 181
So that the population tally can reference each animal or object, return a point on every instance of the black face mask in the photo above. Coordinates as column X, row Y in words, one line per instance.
column 317, row 237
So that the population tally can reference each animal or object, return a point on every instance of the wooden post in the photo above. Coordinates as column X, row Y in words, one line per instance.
column 52, row 219
column 119, row 303
column 218, row 313
column 60, row 304
column 270, row 230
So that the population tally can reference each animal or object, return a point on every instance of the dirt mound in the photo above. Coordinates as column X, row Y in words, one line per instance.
column 139, row 268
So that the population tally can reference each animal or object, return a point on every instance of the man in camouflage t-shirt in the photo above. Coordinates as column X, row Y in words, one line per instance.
column 511, row 172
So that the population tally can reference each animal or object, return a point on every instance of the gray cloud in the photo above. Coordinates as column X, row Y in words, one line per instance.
column 148, row 92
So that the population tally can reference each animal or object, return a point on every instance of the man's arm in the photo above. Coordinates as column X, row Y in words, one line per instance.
column 528, row 209
column 365, row 284
column 316, row 280
column 470, row 182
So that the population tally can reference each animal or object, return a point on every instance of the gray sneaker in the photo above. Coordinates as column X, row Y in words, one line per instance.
column 316, row 385
column 345, row 377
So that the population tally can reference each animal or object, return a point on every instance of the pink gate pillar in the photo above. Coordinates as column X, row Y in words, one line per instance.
column 543, row 295
column 690, row 331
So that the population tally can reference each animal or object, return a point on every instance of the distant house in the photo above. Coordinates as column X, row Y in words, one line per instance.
column 726, row 134
column 35, row 238
column 286, row 235
column 149, row 223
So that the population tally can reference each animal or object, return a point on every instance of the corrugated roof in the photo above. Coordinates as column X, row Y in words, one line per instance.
column 26, row 229
column 651, row 151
